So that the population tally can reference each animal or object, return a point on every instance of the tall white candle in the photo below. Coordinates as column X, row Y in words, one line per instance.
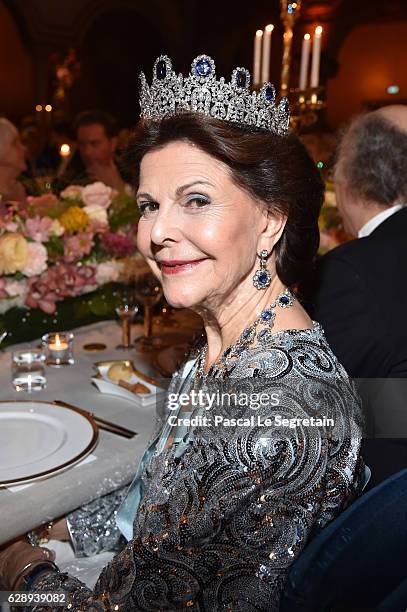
column 305, row 53
column 257, row 57
column 316, row 56
column 265, row 60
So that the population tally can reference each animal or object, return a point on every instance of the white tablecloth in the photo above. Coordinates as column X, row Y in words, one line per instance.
column 28, row 506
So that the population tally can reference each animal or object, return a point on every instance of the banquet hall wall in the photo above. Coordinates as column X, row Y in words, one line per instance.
column 361, row 53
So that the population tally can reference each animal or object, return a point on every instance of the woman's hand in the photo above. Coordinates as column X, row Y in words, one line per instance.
column 15, row 556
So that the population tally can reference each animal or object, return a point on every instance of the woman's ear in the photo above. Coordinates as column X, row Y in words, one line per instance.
column 272, row 232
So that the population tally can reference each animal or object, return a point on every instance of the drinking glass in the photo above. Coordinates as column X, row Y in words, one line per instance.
column 27, row 369
column 126, row 314
column 148, row 291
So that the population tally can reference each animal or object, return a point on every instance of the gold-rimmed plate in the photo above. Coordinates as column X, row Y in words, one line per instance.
column 40, row 439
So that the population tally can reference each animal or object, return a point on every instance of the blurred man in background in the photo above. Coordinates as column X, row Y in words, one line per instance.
column 359, row 291
column 96, row 142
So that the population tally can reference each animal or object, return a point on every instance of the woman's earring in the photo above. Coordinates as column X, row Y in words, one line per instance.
column 262, row 277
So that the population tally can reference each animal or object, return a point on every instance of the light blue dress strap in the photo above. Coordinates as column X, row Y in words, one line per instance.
column 128, row 510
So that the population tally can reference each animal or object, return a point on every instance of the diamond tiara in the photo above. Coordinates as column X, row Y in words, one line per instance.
column 201, row 92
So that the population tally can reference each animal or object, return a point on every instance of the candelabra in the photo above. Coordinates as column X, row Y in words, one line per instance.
column 306, row 100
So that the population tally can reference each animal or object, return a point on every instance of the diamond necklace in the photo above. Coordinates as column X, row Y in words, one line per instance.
column 266, row 317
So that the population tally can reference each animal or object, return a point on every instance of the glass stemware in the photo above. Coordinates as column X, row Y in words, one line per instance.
column 126, row 314
column 148, row 291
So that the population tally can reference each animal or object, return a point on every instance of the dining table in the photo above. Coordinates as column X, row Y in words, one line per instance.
column 113, row 461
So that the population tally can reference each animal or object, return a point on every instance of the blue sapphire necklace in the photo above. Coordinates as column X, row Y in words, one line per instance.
column 249, row 334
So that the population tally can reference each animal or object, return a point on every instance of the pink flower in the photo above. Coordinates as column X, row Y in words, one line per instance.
column 36, row 259
column 97, row 194
column 117, row 244
column 107, row 272
column 57, row 283
column 77, row 246
column 38, row 228
column 72, row 192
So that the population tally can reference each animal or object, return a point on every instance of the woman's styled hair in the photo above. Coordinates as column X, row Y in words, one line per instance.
column 275, row 170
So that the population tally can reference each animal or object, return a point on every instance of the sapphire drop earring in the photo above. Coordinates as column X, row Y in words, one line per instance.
column 262, row 277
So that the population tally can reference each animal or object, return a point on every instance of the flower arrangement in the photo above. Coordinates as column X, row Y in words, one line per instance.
column 332, row 232
column 57, row 247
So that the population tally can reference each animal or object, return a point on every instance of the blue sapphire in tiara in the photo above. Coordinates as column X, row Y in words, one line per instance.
column 270, row 93
column 161, row 70
column 241, row 79
column 203, row 68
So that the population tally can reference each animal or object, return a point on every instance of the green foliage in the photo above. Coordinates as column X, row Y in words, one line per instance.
column 123, row 211
column 24, row 325
column 55, row 247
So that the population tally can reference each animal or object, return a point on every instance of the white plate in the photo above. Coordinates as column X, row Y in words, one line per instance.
column 38, row 439
column 105, row 385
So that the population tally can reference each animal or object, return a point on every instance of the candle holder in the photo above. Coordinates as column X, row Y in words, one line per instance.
column 58, row 348
column 305, row 104
column 28, row 370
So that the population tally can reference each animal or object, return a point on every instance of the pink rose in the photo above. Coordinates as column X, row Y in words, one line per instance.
column 97, row 194
column 73, row 192
column 36, row 259
column 107, row 272
column 38, row 228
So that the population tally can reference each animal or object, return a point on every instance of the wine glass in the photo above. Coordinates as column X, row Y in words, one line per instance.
column 148, row 291
column 126, row 313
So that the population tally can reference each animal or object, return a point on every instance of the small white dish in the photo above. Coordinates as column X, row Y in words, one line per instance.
column 106, row 385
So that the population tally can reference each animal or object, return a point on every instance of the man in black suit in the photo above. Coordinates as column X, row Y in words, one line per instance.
column 360, row 288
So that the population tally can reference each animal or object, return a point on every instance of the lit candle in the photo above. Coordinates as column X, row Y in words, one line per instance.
column 265, row 60
column 59, row 348
column 65, row 150
column 58, row 345
column 257, row 57
column 316, row 56
column 305, row 53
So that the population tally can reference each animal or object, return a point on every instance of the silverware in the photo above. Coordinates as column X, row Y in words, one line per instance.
column 102, row 423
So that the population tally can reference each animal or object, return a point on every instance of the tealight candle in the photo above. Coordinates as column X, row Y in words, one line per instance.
column 59, row 348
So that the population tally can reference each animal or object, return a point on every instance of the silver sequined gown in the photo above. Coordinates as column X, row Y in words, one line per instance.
column 222, row 521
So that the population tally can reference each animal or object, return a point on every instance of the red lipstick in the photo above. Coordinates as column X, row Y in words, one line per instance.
column 175, row 266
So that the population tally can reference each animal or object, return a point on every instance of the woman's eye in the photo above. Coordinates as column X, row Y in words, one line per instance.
column 146, row 208
column 197, row 202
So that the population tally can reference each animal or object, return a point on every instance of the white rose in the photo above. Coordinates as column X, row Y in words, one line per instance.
column 15, row 288
column 36, row 259
column 73, row 192
column 97, row 194
column 108, row 272
column 97, row 214
column 56, row 228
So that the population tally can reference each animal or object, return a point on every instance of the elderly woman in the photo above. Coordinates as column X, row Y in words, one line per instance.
column 234, row 484
column 12, row 162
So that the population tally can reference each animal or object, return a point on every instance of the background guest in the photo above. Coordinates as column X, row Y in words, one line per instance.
column 12, row 162
column 357, row 292
column 95, row 160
